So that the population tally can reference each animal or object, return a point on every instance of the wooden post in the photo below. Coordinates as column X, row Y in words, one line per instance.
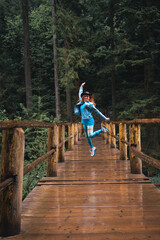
column 135, row 140
column 113, row 131
column 80, row 131
column 58, row 141
column 61, row 139
column 104, row 134
column 107, row 137
column 122, row 146
column 12, row 166
column 76, row 131
column 53, row 159
column 70, row 133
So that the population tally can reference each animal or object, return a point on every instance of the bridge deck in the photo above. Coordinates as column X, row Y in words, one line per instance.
column 92, row 199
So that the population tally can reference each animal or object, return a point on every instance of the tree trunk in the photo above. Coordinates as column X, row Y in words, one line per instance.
column 148, row 67
column 148, row 77
column 77, row 86
column 156, row 138
column 68, row 89
column 27, row 53
column 113, row 64
column 69, row 103
column 1, row 87
column 55, row 63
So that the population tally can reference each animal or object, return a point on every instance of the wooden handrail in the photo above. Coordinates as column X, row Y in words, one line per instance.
column 36, row 162
column 150, row 160
column 15, row 147
column 66, row 140
column 144, row 157
column 6, row 183
column 39, row 160
column 28, row 124
column 21, row 124
column 116, row 137
column 32, row 165
column 139, row 121
column 13, row 156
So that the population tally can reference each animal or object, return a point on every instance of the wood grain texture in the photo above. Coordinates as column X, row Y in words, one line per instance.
column 92, row 199
column 12, row 166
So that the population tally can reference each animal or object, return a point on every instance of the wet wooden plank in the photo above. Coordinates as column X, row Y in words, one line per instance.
column 92, row 199
column 144, row 235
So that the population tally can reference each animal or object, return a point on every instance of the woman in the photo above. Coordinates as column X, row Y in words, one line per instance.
column 84, row 108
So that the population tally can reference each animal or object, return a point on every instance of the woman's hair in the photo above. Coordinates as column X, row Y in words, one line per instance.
column 91, row 99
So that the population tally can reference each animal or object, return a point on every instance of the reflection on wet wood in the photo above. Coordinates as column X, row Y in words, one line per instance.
column 92, row 199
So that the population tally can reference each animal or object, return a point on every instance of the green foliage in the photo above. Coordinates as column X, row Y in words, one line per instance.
column 87, row 51
column 84, row 51
column 3, row 117
column 69, row 62
column 31, row 179
column 72, row 56
column 152, row 173
column 141, row 109
column 156, row 177
column 35, row 146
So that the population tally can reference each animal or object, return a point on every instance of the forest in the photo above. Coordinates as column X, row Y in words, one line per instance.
column 49, row 47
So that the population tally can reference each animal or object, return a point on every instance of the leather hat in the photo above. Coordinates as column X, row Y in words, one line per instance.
column 86, row 93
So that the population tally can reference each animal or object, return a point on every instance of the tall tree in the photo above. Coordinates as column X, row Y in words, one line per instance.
column 55, row 61
column 113, row 77
column 72, row 57
column 27, row 53
column 68, row 88
column 148, row 39
column 69, row 103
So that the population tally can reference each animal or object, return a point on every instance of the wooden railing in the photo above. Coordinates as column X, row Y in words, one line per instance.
column 12, row 171
column 136, row 156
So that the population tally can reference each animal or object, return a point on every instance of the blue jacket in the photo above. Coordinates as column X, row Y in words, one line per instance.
column 88, row 109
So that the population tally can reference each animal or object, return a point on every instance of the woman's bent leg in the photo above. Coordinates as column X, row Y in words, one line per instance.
column 88, row 129
column 85, row 127
column 91, row 133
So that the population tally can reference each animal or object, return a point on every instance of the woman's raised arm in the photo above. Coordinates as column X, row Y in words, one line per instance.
column 81, row 90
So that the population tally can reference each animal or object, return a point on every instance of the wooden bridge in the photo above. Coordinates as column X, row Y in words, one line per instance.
column 101, row 197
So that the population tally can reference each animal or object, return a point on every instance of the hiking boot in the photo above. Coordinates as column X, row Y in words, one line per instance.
column 104, row 129
column 92, row 151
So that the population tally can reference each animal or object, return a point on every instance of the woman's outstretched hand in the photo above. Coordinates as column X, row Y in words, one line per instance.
column 83, row 84
column 107, row 119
